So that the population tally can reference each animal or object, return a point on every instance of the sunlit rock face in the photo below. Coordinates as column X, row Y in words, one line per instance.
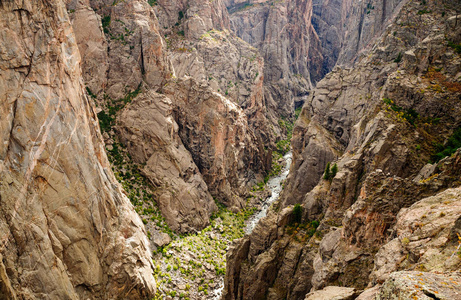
column 67, row 230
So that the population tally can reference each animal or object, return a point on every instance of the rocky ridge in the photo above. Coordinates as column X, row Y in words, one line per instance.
column 378, row 122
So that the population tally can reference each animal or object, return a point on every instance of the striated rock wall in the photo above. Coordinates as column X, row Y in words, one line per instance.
column 67, row 230
column 121, row 44
column 149, row 130
column 215, row 130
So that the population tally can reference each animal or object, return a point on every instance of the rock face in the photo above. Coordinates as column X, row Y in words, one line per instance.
column 301, row 41
column 207, row 144
column 426, row 238
column 332, row 293
column 67, row 230
column 421, row 285
column 121, row 45
column 216, row 131
column 201, row 45
column 194, row 143
column 284, row 35
column 378, row 122
column 149, row 130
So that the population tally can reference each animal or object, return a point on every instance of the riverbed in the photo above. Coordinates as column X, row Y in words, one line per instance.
column 193, row 266
column 275, row 184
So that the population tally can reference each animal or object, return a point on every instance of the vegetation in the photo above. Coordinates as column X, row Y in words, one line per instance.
column 283, row 146
column 106, row 23
column 409, row 115
column 152, row 2
column 424, row 11
column 327, row 174
column 334, row 170
column 455, row 46
column 107, row 116
column 301, row 232
column 330, row 172
column 193, row 256
column 450, row 147
column 297, row 213
column 399, row 58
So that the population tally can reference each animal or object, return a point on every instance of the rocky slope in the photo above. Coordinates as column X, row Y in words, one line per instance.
column 378, row 122
column 67, row 230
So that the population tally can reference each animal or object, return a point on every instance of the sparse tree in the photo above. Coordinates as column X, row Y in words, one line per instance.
column 327, row 173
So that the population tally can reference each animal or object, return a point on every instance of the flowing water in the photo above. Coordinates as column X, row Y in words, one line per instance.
column 275, row 185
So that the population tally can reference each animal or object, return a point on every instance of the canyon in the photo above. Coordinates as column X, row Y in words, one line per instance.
column 146, row 146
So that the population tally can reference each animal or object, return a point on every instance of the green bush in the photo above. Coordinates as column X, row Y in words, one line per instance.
column 327, row 173
column 455, row 46
column 105, row 23
column 297, row 213
column 334, row 170
column 399, row 58
column 453, row 143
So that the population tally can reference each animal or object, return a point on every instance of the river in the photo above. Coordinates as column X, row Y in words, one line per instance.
column 275, row 186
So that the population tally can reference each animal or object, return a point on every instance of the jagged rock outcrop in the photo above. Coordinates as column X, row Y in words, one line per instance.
column 215, row 130
column 201, row 45
column 192, row 142
column 67, row 230
column 332, row 293
column 285, row 37
column 378, row 121
column 426, row 238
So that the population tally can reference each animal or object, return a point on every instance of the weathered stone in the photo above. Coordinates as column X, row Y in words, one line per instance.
column 332, row 293
column 68, row 231
column 421, row 285
column 148, row 128
column 359, row 119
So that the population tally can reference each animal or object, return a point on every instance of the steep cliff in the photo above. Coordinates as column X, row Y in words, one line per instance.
column 215, row 118
column 378, row 123
column 67, row 230
column 301, row 41
column 283, row 33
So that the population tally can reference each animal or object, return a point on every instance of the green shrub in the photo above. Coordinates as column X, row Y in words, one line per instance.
column 399, row 58
column 297, row 213
column 334, row 170
column 455, row 46
column 453, row 143
column 105, row 23
column 327, row 173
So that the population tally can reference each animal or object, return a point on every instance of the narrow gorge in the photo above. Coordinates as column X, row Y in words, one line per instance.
column 230, row 149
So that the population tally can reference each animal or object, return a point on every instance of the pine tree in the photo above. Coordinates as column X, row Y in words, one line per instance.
column 334, row 170
column 327, row 174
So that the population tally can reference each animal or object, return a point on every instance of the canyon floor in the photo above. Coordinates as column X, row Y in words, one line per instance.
column 193, row 266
